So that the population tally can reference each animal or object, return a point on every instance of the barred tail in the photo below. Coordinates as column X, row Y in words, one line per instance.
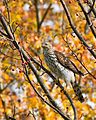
column 77, row 91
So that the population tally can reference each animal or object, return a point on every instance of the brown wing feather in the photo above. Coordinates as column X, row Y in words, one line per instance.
column 67, row 63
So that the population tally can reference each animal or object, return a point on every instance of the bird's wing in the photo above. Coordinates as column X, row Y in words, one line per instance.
column 67, row 63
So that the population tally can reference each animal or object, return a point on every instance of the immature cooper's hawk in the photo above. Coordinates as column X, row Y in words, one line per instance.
column 62, row 67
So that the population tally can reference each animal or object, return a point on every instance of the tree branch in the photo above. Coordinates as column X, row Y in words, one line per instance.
column 87, row 18
column 75, row 30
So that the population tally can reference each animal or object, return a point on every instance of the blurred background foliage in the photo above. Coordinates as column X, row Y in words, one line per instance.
column 18, row 97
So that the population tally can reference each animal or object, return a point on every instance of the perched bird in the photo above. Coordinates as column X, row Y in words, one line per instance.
column 62, row 67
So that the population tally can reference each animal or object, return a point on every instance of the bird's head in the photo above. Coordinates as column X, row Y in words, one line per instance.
column 46, row 45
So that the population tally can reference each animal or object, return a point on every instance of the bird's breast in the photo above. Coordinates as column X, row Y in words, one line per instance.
column 54, row 66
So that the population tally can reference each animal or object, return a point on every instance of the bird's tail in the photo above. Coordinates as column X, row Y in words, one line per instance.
column 77, row 91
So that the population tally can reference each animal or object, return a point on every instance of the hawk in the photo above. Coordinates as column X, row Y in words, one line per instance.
column 62, row 67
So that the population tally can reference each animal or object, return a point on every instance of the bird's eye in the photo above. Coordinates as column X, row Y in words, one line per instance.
column 45, row 43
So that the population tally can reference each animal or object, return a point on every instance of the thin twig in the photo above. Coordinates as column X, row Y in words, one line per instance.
column 6, row 86
column 91, row 7
column 44, row 15
column 3, row 104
